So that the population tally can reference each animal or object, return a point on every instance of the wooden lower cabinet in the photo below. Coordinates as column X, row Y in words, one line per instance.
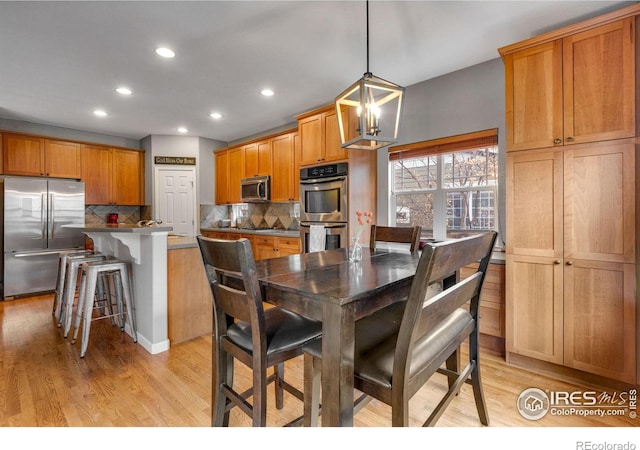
column 263, row 247
column 273, row 247
column 600, row 318
column 215, row 234
column 579, row 314
column 571, row 257
column 535, row 314
column 189, row 301
column 492, row 311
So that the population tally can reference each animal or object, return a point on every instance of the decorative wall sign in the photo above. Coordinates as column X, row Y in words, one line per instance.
column 175, row 160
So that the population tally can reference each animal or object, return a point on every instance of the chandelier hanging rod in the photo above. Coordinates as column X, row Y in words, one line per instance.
column 368, row 71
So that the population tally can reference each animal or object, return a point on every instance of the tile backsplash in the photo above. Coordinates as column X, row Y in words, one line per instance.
column 284, row 216
column 96, row 215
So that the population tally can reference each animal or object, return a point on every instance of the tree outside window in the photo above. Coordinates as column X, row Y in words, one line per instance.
column 447, row 194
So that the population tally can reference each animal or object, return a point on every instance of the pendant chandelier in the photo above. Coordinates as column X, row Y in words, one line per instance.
column 369, row 110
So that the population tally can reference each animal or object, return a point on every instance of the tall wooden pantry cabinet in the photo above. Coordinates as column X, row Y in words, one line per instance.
column 571, row 265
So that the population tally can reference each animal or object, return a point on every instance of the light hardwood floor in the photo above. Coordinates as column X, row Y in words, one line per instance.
column 44, row 383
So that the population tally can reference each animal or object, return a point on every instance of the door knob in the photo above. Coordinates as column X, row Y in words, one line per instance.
column 557, row 141
column 569, row 263
column 557, row 261
column 569, row 139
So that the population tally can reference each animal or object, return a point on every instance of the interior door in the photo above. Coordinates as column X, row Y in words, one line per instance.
column 175, row 199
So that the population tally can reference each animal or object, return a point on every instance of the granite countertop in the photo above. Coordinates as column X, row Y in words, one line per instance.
column 260, row 232
column 119, row 228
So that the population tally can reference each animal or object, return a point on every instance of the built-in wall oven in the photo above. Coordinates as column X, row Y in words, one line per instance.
column 335, row 235
column 323, row 201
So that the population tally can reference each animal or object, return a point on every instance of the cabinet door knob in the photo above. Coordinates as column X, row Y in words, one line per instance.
column 569, row 263
column 569, row 139
column 557, row 141
column 557, row 261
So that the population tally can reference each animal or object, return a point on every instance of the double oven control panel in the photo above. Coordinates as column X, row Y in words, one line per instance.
column 325, row 171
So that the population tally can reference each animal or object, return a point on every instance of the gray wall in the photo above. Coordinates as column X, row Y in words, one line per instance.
column 67, row 133
column 186, row 146
column 468, row 100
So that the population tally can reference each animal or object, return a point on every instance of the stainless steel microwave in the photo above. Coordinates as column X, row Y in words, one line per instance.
column 256, row 189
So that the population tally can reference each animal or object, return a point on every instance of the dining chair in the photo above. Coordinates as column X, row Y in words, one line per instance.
column 258, row 337
column 402, row 235
column 399, row 348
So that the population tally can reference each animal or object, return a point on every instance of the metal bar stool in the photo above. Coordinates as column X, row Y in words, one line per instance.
column 62, row 271
column 118, row 273
column 71, row 281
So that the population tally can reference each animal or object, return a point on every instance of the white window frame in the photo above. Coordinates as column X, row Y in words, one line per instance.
column 439, row 197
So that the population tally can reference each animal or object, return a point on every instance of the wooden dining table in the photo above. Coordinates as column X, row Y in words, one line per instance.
column 326, row 286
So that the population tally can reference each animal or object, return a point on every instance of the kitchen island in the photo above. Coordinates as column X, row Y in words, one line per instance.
column 146, row 250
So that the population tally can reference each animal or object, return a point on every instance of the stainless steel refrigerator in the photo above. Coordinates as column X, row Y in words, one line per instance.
column 34, row 214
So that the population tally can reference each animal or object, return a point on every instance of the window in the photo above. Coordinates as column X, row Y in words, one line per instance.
column 448, row 186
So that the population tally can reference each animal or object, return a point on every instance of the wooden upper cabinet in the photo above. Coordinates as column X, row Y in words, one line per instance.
column 62, row 159
column 97, row 170
column 533, row 81
column 257, row 158
column 311, row 139
column 128, row 177
column 577, row 89
column 230, row 167
column 295, row 136
column 23, row 155
column 36, row 156
column 320, row 138
column 282, row 182
column 332, row 145
column 236, row 174
column 599, row 83
column 222, row 177
column 112, row 176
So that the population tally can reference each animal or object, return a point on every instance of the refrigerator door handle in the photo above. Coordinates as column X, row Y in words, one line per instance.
column 43, row 219
column 51, row 216
column 28, row 254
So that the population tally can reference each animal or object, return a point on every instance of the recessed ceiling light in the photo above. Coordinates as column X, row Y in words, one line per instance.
column 216, row 115
column 165, row 52
column 267, row 92
column 100, row 113
column 123, row 90
column 183, row 130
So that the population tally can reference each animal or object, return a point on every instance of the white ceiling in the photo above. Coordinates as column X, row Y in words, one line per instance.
column 61, row 60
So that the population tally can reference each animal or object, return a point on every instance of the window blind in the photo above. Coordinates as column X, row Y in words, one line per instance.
column 450, row 144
